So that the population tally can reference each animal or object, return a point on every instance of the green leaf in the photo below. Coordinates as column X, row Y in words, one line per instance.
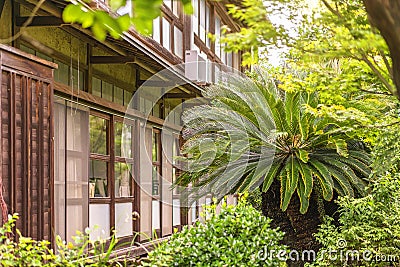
column 269, row 178
column 343, row 185
column 290, row 183
column 87, row 20
column 124, row 22
column 307, row 178
column 357, row 182
column 292, row 110
column 341, row 147
column 302, row 155
column 324, row 177
column 304, row 200
column 357, row 165
column 99, row 32
column 72, row 13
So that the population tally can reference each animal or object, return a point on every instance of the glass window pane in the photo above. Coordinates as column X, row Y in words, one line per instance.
column 194, row 212
column 155, row 181
column 195, row 16
column 155, row 150
column 98, row 135
column 77, row 78
column 168, row 3
column 207, row 27
column 123, row 219
column 217, row 36
column 178, row 42
column 77, row 170
column 155, row 215
column 166, row 30
column 127, row 97
column 61, row 74
column 176, row 215
column 156, row 110
column 107, row 91
column 202, row 18
column 123, row 140
column 156, row 29
column 176, row 8
column 118, row 95
column 96, row 87
column 123, row 180
column 98, row 186
column 99, row 221
column 229, row 59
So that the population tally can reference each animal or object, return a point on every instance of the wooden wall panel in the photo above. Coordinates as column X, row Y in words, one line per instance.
column 27, row 140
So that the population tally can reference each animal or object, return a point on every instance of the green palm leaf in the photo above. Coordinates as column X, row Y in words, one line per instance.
column 289, row 182
column 253, row 133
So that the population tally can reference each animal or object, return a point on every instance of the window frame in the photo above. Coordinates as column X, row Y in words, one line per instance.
column 111, row 158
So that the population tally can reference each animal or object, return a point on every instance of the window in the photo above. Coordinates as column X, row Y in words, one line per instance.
column 156, row 30
column 178, row 42
column 71, row 134
column 93, row 182
column 111, row 185
column 166, row 33
column 176, row 214
column 195, row 17
column 156, row 182
column 64, row 73
column 201, row 20
column 110, row 92
column 168, row 30
column 174, row 6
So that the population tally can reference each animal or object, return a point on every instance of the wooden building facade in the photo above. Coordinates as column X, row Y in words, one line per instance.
column 71, row 154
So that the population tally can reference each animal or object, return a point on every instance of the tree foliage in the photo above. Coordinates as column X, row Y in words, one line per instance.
column 103, row 23
column 306, row 152
column 234, row 237
column 366, row 224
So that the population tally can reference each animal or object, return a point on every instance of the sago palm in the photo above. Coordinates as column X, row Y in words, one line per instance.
column 254, row 135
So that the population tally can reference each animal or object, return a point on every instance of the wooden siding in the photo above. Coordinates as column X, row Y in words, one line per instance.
column 26, row 159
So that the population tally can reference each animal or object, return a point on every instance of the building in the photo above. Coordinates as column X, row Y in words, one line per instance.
column 70, row 155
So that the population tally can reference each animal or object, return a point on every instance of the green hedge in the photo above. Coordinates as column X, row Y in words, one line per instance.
column 234, row 237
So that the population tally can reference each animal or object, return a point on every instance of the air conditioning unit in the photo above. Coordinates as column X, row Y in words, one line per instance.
column 195, row 67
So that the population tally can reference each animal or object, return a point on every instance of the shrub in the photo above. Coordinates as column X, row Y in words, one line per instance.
column 235, row 237
column 26, row 251
column 369, row 225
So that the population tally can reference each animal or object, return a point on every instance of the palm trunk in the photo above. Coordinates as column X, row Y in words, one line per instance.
column 299, row 228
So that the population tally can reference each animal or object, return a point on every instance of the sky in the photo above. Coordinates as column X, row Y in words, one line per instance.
column 275, row 55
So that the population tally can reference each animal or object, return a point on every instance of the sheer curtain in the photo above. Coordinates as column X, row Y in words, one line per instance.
column 71, row 168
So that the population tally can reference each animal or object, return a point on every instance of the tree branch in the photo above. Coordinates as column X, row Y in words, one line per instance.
column 387, row 64
column 376, row 93
column 379, row 74
column 331, row 9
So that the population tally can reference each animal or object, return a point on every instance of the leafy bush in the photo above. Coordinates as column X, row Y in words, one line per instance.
column 29, row 252
column 369, row 225
column 234, row 237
